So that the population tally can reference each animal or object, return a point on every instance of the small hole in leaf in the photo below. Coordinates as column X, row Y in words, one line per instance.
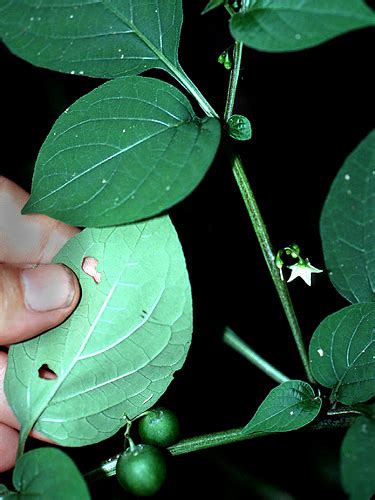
column 46, row 372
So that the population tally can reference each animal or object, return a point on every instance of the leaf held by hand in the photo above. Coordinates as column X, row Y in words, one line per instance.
column 118, row 352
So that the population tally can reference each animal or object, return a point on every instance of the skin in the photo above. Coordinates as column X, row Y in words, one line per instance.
column 25, row 240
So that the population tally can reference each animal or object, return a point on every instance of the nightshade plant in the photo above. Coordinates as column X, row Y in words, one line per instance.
column 113, row 163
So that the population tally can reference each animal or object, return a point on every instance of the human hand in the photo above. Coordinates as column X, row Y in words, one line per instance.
column 32, row 299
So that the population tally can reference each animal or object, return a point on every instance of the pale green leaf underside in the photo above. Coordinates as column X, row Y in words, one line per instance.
column 358, row 459
column 287, row 25
column 342, row 353
column 47, row 473
column 116, row 355
column 287, row 407
column 128, row 150
column 347, row 225
column 100, row 38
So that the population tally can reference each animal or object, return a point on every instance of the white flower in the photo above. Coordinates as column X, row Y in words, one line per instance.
column 304, row 270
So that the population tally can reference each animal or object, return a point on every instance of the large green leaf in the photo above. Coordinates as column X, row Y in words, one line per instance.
column 287, row 407
column 116, row 355
column 342, row 353
column 47, row 473
column 284, row 25
column 347, row 225
column 358, row 459
column 127, row 150
column 104, row 38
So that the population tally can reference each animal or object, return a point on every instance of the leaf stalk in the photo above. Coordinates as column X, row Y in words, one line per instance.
column 234, row 341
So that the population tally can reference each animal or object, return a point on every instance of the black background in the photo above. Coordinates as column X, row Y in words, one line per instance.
column 308, row 110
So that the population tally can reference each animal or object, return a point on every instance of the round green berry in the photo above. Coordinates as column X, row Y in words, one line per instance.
column 141, row 470
column 160, row 426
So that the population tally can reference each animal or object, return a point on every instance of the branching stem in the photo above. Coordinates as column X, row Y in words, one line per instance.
column 197, row 443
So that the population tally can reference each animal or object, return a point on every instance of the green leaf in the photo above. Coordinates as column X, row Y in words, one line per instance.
column 212, row 4
column 287, row 407
column 127, row 150
column 358, row 459
column 239, row 128
column 117, row 354
column 347, row 225
column 105, row 38
column 342, row 353
column 285, row 25
column 47, row 473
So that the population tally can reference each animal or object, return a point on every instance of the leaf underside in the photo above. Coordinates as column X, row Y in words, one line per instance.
column 342, row 353
column 128, row 150
column 347, row 225
column 287, row 25
column 104, row 38
column 116, row 355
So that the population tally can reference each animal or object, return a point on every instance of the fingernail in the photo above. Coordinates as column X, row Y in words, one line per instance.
column 48, row 287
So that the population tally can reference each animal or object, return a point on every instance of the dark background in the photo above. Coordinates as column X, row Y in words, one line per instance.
column 308, row 110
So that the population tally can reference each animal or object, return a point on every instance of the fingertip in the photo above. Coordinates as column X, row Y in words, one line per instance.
column 34, row 300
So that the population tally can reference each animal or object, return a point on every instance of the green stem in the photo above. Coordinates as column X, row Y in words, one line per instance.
column 197, row 443
column 234, row 341
column 233, row 80
column 257, row 220
column 269, row 256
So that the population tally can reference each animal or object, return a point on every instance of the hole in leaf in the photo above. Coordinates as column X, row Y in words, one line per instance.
column 46, row 373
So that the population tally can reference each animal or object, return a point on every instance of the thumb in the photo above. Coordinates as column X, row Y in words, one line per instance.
column 34, row 299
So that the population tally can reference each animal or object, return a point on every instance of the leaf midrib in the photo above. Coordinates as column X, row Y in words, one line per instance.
column 97, row 165
column 160, row 55
column 76, row 358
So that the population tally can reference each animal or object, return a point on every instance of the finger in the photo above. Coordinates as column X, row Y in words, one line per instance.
column 8, row 447
column 27, row 238
column 34, row 300
column 8, row 425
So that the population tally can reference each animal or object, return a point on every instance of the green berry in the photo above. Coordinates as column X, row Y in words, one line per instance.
column 141, row 470
column 160, row 427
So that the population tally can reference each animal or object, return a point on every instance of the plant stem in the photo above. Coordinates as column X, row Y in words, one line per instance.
column 233, row 80
column 234, row 341
column 268, row 254
column 257, row 220
column 197, row 443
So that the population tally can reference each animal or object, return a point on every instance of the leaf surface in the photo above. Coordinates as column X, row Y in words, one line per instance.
column 287, row 407
column 128, row 150
column 342, row 353
column 47, row 473
column 101, row 38
column 358, row 459
column 287, row 25
column 347, row 225
column 116, row 355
